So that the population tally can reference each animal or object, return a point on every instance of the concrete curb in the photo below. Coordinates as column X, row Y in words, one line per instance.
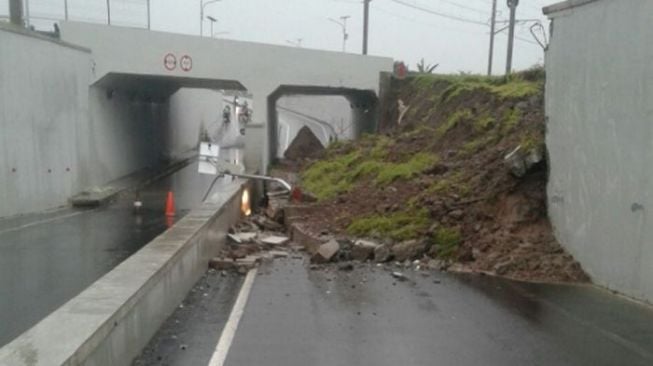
column 106, row 194
column 111, row 321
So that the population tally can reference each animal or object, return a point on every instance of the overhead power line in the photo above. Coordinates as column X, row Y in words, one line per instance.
column 444, row 15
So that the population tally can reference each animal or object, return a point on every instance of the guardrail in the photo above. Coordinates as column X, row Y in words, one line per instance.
column 110, row 322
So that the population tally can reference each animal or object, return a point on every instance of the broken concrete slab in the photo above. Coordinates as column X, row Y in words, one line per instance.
column 326, row 252
column 303, row 236
column 278, row 254
column 242, row 237
column 222, row 264
column 275, row 240
column 363, row 250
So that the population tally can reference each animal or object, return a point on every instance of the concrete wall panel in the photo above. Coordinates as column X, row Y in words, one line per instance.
column 59, row 136
column 44, row 96
column 599, row 103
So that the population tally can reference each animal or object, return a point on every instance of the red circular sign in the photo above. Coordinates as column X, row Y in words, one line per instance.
column 170, row 62
column 186, row 63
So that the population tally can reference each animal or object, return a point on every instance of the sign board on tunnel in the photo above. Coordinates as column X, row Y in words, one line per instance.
column 186, row 63
column 208, row 157
column 209, row 162
column 170, row 62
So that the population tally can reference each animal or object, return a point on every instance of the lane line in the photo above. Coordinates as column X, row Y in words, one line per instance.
column 229, row 331
column 36, row 223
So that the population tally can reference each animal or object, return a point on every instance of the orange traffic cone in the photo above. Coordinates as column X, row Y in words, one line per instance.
column 170, row 204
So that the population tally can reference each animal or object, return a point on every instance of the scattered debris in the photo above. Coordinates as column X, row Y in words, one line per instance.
column 399, row 276
column 363, row 250
column 347, row 267
column 275, row 240
column 326, row 252
column 242, row 237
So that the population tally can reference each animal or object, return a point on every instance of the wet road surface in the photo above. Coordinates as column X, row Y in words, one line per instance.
column 49, row 258
column 189, row 335
column 296, row 316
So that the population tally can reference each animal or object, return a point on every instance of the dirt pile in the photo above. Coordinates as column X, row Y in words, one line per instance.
column 461, row 180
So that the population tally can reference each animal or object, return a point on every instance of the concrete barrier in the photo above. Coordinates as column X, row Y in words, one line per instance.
column 110, row 322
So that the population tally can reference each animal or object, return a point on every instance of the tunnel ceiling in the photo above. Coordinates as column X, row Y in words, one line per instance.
column 158, row 87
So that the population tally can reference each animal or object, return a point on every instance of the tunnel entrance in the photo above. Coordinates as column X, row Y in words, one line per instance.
column 290, row 107
column 150, row 120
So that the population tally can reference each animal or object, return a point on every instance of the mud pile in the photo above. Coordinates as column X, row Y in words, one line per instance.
column 458, row 175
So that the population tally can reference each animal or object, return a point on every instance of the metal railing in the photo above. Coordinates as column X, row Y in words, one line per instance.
column 40, row 14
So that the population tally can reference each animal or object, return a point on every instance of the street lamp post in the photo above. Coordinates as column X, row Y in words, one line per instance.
column 343, row 24
column 213, row 21
column 203, row 4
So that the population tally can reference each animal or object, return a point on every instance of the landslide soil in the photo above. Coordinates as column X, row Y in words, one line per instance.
column 439, row 177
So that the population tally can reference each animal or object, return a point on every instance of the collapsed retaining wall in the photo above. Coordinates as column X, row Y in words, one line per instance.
column 111, row 321
column 599, row 100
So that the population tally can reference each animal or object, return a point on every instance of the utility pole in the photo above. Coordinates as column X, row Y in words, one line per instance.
column 27, row 21
column 16, row 12
column 149, row 19
column 343, row 24
column 512, row 4
column 493, row 24
column 65, row 10
column 366, row 24
column 109, row 12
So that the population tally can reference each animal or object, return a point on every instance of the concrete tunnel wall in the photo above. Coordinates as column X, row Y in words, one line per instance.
column 58, row 135
column 260, row 68
column 363, row 104
column 599, row 104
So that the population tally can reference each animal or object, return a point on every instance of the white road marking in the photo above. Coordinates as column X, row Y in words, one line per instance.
column 229, row 331
column 35, row 223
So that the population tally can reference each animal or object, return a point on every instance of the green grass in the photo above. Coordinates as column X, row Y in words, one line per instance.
column 511, row 118
column 453, row 120
column 390, row 172
column 341, row 173
column 447, row 241
column 399, row 226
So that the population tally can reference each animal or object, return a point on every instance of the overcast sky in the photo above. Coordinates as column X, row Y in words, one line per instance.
column 457, row 39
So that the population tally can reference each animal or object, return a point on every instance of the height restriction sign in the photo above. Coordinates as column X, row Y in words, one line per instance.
column 170, row 62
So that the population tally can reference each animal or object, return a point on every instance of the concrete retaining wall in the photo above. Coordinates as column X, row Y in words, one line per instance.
column 599, row 103
column 111, row 321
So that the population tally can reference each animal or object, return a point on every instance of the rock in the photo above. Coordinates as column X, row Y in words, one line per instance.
column 305, row 145
column 382, row 253
column 346, row 267
column 267, row 224
column 457, row 214
column 275, row 240
column 326, row 251
column 437, row 264
column 363, row 250
column 399, row 276
column 520, row 161
column 408, row 250
column 220, row 264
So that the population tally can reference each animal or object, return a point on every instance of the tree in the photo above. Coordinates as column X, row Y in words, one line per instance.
column 423, row 68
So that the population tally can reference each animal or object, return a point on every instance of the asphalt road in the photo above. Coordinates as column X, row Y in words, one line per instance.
column 47, row 259
column 296, row 316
